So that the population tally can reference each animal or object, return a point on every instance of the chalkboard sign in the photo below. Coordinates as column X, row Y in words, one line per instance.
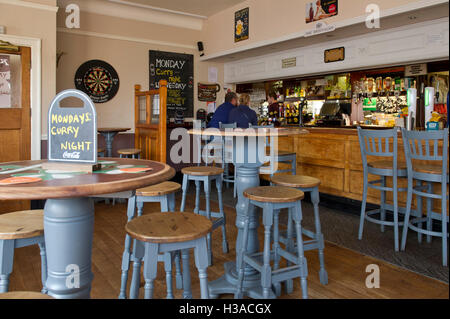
column 72, row 131
column 178, row 70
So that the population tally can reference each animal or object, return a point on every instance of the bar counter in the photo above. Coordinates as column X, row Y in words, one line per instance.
column 333, row 155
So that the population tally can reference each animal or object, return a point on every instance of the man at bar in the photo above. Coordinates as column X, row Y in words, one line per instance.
column 223, row 111
column 274, row 108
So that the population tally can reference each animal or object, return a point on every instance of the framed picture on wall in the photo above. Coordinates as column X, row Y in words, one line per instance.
column 320, row 9
column 241, row 24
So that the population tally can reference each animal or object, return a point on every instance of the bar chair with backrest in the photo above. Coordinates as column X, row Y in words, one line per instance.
column 377, row 143
column 420, row 149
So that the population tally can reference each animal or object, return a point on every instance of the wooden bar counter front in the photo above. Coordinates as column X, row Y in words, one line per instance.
column 333, row 155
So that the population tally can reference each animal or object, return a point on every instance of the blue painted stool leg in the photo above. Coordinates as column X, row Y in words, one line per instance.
column 240, row 258
column 419, row 212
column 382, row 203
column 395, row 199
column 222, row 213
column 207, row 188
column 297, row 215
column 363, row 207
column 168, row 269
column 201, row 262
column 43, row 266
column 444, row 223
column 429, row 209
column 407, row 214
column 178, row 276
column 289, row 248
column 126, row 256
column 69, row 221
column 323, row 276
column 183, row 197
column 276, row 247
column 6, row 263
column 187, row 293
column 138, row 255
column 164, row 204
column 150, row 268
column 266, row 273
column 197, row 197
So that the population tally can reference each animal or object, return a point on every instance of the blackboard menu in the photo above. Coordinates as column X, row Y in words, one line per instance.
column 72, row 131
column 178, row 70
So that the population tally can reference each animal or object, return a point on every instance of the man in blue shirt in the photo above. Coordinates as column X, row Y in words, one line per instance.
column 223, row 111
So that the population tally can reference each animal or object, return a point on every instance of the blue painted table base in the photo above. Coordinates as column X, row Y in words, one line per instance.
column 69, row 228
column 247, row 176
column 109, row 138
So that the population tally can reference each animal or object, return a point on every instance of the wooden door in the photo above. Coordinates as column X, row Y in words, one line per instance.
column 151, row 122
column 15, row 112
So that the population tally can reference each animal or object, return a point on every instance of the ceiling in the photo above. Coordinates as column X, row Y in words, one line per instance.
column 203, row 8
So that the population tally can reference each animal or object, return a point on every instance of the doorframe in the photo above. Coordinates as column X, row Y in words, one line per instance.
column 35, row 88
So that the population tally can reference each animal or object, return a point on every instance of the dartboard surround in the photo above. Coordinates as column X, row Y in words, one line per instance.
column 98, row 79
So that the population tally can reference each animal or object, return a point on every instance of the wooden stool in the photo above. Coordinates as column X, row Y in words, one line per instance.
column 20, row 229
column 163, row 193
column 271, row 199
column 101, row 152
column 129, row 152
column 311, row 185
column 24, row 295
column 157, row 233
column 206, row 174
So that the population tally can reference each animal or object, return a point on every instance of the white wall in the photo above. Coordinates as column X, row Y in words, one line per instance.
column 408, row 44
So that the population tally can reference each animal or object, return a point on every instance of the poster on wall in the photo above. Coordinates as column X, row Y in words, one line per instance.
column 178, row 70
column 5, row 82
column 241, row 25
column 320, row 9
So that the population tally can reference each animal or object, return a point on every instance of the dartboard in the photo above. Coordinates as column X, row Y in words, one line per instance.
column 97, row 79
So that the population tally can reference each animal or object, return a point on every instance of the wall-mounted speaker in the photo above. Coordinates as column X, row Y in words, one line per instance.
column 200, row 48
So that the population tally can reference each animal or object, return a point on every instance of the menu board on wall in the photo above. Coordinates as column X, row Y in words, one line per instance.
column 5, row 79
column 178, row 70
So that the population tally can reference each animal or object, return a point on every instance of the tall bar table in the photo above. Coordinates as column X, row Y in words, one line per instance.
column 69, row 214
column 109, row 133
column 248, row 156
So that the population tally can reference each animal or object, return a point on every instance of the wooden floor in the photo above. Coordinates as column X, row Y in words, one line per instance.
column 346, row 268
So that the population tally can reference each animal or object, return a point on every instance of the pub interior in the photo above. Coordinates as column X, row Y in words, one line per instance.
column 246, row 149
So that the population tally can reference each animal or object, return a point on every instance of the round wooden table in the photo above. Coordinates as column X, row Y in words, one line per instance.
column 248, row 156
column 109, row 133
column 69, row 213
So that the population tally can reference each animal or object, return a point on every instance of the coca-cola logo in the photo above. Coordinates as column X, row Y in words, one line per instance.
column 332, row 8
column 73, row 155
